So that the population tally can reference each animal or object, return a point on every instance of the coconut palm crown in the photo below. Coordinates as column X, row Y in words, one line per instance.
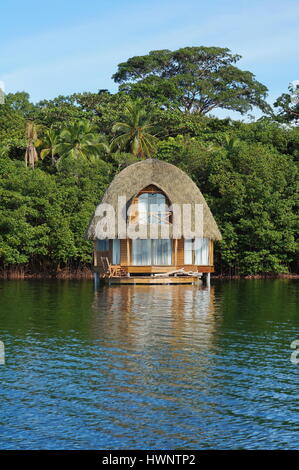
column 79, row 140
column 50, row 144
column 133, row 134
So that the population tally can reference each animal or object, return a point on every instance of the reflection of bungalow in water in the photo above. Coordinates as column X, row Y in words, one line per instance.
column 153, row 226
column 188, row 316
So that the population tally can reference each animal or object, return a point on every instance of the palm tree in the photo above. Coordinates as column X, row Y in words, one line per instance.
column 231, row 143
column 79, row 140
column 50, row 144
column 134, row 132
column 31, row 156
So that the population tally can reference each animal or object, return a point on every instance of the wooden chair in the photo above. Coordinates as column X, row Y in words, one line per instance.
column 109, row 270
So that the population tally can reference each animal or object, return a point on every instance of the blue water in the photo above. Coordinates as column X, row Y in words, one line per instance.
column 149, row 367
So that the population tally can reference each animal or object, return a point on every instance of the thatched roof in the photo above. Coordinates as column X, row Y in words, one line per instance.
column 177, row 185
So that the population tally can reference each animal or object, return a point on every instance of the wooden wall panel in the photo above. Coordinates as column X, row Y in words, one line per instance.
column 180, row 255
column 211, row 253
column 123, row 252
column 129, row 251
column 133, row 212
column 174, row 258
column 151, row 189
column 109, row 253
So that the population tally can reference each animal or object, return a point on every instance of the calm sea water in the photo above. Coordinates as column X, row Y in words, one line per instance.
column 149, row 367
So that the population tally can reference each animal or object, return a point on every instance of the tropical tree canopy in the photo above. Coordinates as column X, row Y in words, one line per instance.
column 247, row 171
column 134, row 132
column 193, row 79
column 79, row 140
column 288, row 105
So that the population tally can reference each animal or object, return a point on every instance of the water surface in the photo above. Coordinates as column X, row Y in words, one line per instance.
column 149, row 367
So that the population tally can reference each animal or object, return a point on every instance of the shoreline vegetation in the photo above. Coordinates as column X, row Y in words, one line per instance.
column 57, row 157
column 85, row 273
column 66, row 273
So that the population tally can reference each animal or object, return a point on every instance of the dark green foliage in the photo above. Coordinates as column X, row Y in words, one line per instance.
column 252, row 191
column 192, row 79
column 12, row 128
column 103, row 109
column 43, row 217
column 288, row 105
column 248, row 172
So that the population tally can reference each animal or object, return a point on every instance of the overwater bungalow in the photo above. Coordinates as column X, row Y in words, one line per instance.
column 153, row 226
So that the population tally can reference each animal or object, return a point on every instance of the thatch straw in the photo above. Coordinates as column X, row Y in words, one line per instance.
column 177, row 185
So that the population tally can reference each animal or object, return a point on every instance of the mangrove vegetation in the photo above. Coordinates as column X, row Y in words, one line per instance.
column 58, row 156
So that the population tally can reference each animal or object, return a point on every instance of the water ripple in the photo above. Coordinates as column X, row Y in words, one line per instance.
column 164, row 367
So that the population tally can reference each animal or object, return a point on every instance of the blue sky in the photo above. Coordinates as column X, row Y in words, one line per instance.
column 56, row 47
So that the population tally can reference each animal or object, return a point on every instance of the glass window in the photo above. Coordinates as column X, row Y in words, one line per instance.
column 143, row 208
column 161, row 252
column 196, row 251
column 188, row 255
column 201, row 251
column 151, row 252
column 141, row 251
column 102, row 245
column 116, row 252
column 152, row 208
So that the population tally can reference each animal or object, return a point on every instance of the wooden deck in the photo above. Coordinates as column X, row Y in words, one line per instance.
column 151, row 280
column 147, row 270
